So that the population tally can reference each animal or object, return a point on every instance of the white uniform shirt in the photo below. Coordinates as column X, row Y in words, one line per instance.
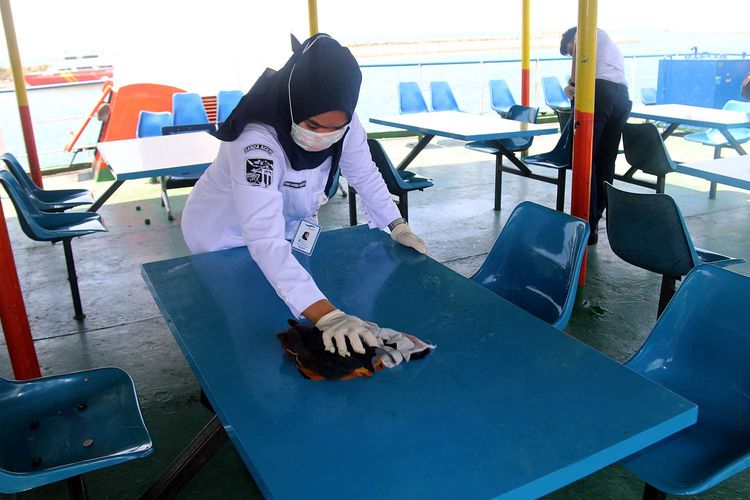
column 610, row 65
column 250, row 195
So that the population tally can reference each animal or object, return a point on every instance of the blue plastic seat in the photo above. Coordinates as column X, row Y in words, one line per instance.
column 410, row 98
column 501, row 97
column 442, row 97
column 43, row 226
column 645, row 151
column 188, row 115
column 536, row 260
column 226, row 101
column 713, row 137
column 187, row 109
column 648, row 231
column 56, row 428
column 699, row 349
column 554, row 95
column 47, row 200
column 397, row 185
column 648, row 96
column 518, row 113
column 151, row 123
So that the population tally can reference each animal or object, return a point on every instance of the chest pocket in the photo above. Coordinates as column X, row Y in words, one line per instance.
column 296, row 191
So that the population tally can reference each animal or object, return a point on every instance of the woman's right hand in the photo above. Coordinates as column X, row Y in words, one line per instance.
column 339, row 326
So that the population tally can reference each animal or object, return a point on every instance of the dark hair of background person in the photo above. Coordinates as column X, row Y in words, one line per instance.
column 568, row 36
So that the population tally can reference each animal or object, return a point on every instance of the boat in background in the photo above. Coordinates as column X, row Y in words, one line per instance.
column 73, row 70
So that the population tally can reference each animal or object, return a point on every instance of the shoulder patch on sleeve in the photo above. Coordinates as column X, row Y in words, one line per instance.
column 259, row 171
column 257, row 147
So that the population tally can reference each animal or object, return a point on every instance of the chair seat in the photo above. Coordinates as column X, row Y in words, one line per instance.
column 62, row 199
column 713, row 137
column 181, row 181
column 63, row 426
column 717, row 259
column 415, row 182
column 546, row 160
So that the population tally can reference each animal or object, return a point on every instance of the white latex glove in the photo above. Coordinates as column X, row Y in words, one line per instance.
column 404, row 235
column 339, row 326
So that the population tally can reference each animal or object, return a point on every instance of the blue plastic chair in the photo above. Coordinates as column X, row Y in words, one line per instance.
column 645, row 151
column 536, row 260
column 43, row 226
column 518, row 113
column 150, row 123
column 715, row 138
column 442, row 97
column 226, row 101
column 554, row 95
column 501, row 97
column 57, row 428
column 648, row 231
column 699, row 349
column 397, row 184
column 47, row 200
column 410, row 98
column 648, row 96
column 187, row 109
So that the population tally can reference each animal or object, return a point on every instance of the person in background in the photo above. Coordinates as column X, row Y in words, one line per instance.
column 281, row 151
column 745, row 89
column 611, row 109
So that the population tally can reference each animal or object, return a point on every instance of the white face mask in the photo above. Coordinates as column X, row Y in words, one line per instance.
column 305, row 138
column 315, row 141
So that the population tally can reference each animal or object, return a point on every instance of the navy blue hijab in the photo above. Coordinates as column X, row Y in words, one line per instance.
column 324, row 77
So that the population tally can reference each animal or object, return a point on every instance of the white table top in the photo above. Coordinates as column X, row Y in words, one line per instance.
column 692, row 115
column 162, row 155
column 465, row 126
column 731, row 171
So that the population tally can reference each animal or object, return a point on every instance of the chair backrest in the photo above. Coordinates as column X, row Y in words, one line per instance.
column 25, row 208
column 442, row 97
column 501, row 96
column 536, row 260
column 521, row 113
column 150, row 123
column 648, row 95
column 648, row 231
column 15, row 168
column 554, row 95
column 701, row 343
column 385, row 166
column 645, row 150
column 410, row 98
column 226, row 101
column 184, row 129
column 187, row 109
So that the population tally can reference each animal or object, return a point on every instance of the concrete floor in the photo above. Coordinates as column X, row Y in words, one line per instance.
column 615, row 310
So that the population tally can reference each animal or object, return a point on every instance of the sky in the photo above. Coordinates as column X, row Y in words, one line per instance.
column 234, row 40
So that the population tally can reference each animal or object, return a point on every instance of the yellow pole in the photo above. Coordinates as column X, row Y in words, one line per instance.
column 525, row 51
column 312, row 13
column 585, row 76
column 20, row 86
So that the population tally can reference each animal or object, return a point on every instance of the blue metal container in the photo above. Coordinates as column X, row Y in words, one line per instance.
column 708, row 83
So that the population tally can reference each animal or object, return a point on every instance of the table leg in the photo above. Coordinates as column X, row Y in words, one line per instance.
column 188, row 463
column 732, row 141
column 669, row 130
column 498, row 180
column 105, row 196
column 414, row 152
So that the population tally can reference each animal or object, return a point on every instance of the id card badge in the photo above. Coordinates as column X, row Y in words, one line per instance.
column 306, row 237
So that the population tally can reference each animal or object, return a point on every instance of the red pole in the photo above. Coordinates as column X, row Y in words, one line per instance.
column 585, row 74
column 20, row 86
column 13, row 313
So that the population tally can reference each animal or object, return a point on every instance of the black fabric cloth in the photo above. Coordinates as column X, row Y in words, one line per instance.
column 325, row 77
column 303, row 345
column 611, row 110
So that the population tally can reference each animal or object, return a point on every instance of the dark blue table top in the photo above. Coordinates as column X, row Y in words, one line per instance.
column 505, row 406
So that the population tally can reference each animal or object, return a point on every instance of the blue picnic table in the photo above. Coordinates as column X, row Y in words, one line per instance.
column 506, row 406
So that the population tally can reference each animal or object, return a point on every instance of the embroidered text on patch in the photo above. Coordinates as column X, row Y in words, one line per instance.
column 255, row 147
column 296, row 185
column 259, row 171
